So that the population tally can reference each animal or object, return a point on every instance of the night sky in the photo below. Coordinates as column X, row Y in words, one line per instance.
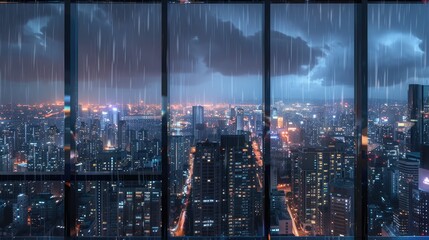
column 215, row 52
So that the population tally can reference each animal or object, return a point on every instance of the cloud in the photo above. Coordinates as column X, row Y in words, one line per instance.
column 227, row 50
column 31, row 46
column 397, row 43
column 394, row 57
column 327, row 30
column 120, row 44
column 337, row 65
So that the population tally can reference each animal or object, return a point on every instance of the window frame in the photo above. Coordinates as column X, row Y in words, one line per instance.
column 71, row 104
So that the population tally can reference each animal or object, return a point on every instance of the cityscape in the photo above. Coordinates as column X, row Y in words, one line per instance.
column 215, row 113
column 216, row 169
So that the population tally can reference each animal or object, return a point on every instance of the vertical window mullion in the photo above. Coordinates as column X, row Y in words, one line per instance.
column 267, row 116
column 361, row 119
column 70, row 111
column 165, row 117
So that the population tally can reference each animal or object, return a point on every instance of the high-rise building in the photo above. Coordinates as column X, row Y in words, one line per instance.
column 418, row 114
column 375, row 216
column 139, row 209
column 423, row 218
column 241, row 185
column 274, row 118
column 152, row 208
column 5, row 159
column 408, row 177
column 281, row 222
column 307, row 188
column 258, row 123
column 224, row 190
column 106, row 222
column 43, row 212
column 197, row 122
column 341, row 207
column 240, row 120
column 20, row 212
column 122, row 135
column 179, row 161
column 111, row 160
column 207, row 190
column 316, row 167
column 88, row 152
column 421, row 211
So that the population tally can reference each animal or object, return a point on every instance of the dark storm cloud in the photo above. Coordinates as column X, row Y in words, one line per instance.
column 31, row 45
column 398, row 43
column 119, row 44
column 196, row 34
column 292, row 55
column 398, row 40
column 327, row 28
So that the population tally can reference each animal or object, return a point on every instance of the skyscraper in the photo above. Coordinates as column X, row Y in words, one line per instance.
column 179, row 159
column 240, row 120
column 315, row 168
column 5, row 159
column 20, row 212
column 106, row 222
column 241, row 184
column 122, row 135
column 421, row 211
column 197, row 122
column 408, row 177
column 43, row 212
column 224, row 188
column 418, row 114
column 139, row 208
column 341, row 207
column 207, row 190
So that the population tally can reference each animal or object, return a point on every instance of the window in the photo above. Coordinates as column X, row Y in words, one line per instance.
column 31, row 88
column 119, row 120
column 31, row 119
column 215, row 119
column 312, row 119
column 398, row 120
column 215, row 82
column 119, row 117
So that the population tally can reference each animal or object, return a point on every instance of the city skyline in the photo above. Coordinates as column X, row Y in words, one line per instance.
column 218, row 149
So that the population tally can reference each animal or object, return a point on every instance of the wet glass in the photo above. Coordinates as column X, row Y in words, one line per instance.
column 398, row 120
column 215, row 87
column 31, row 88
column 118, row 208
column 31, row 208
column 119, row 118
column 312, row 120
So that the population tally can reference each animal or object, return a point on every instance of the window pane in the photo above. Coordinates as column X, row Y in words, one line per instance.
column 312, row 119
column 118, row 208
column 31, row 209
column 119, row 119
column 31, row 88
column 398, row 120
column 215, row 82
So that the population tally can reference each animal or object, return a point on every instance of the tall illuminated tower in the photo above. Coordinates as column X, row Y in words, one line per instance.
column 197, row 122
column 408, row 177
column 207, row 190
column 240, row 185
column 418, row 114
